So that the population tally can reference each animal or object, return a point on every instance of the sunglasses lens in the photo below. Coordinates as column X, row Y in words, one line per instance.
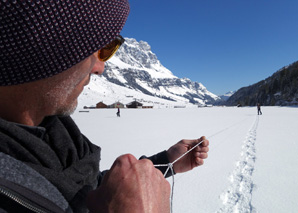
column 109, row 50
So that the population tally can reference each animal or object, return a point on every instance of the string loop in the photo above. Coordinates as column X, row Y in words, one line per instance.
column 170, row 167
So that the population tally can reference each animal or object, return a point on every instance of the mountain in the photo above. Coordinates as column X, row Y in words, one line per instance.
column 279, row 89
column 227, row 95
column 135, row 73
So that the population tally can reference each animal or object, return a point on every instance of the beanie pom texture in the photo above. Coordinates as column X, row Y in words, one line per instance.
column 41, row 38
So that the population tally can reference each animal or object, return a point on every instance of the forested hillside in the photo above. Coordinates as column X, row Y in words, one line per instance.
column 279, row 89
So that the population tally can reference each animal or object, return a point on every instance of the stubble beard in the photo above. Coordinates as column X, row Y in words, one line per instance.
column 64, row 99
column 60, row 104
column 67, row 111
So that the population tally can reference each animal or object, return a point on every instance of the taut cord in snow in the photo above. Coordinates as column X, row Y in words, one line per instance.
column 170, row 167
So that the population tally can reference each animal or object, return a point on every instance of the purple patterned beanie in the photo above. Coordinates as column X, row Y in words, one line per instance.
column 41, row 38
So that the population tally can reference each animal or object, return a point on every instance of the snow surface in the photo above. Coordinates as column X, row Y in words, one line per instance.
column 252, row 163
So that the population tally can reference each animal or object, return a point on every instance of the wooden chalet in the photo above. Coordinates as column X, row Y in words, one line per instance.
column 116, row 105
column 147, row 107
column 101, row 105
column 134, row 104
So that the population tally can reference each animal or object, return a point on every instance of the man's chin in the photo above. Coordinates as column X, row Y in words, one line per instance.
column 67, row 111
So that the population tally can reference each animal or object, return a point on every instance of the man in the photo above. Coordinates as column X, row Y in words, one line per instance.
column 49, row 49
column 259, row 109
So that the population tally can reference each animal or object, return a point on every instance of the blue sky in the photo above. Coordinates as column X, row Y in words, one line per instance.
column 224, row 44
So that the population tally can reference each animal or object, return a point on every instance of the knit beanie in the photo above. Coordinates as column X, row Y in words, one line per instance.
column 41, row 38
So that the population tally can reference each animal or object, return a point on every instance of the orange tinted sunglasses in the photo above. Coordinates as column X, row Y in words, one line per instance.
column 110, row 49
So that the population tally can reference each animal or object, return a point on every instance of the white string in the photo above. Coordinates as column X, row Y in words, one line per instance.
column 188, row 151
column 170, row 167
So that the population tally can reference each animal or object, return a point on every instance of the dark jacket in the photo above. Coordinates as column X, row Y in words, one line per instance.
column 49, row 168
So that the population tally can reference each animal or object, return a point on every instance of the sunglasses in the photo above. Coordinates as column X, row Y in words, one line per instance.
column 110, row 49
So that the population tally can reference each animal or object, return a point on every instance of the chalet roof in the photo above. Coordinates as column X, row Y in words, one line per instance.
column 135, row 102
column 117, row 102
column 101, row 102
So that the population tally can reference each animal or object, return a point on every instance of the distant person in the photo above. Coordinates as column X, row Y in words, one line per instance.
column 118, row 112
column 49, row 49
column 259, row 109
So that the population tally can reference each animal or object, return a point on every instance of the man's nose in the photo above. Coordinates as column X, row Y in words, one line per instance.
column 98, row 67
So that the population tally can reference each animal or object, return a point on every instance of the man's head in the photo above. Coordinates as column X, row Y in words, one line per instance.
column 42, row 38
column 49, row 48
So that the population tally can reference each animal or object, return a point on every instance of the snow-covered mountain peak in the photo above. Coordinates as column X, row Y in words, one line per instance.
column 227, row 95
column 141, row 45
column 138, row 55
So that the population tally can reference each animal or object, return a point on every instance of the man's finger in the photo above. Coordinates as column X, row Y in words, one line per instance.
column 199, row 161
column 202, row 149
column 124, row 161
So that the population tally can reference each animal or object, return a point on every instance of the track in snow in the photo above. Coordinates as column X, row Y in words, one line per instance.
column 238, row 196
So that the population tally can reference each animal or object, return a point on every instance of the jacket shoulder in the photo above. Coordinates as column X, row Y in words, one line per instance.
column 20, row 184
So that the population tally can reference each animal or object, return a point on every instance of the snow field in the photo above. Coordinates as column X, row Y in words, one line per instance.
column 252, row 163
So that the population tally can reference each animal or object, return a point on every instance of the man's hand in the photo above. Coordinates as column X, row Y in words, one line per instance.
column 131, row 186
column 191, row 160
